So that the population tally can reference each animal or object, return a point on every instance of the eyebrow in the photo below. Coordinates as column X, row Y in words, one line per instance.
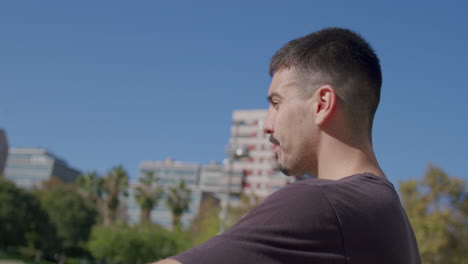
column 272, row 95
column 275, row 94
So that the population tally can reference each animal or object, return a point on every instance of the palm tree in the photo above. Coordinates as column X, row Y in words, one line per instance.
column 178, row 200
column 147, row 196
column 115, row 185
column 91, row 185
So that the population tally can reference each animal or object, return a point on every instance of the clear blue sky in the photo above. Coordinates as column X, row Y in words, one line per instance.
column 102, row 83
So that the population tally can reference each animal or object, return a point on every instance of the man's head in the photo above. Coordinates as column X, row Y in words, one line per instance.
column 332, row 74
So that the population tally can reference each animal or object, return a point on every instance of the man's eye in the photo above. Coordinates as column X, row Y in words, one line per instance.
column 275, row 104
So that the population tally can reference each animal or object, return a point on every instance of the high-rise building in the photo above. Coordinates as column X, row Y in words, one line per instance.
column 168, row 172
column 29, row 167
column 3, row 150
column 261, row 176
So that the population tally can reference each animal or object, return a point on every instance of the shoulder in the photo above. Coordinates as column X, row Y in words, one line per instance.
column 315, row 203
column 297, row 206
column 364, row 191
column 305, row 189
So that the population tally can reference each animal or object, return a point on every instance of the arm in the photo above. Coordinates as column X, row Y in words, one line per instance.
column 167, row 261
column 293, row 225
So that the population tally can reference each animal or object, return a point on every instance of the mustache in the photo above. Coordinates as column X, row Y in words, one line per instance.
column 274, row 140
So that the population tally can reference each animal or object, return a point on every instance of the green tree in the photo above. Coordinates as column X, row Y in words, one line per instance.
column 147, row 195
column 72, row 216
column 51, row 183
column 91, row 186
column 115, row 186
column 247, row 203
column 23, row 223
column 13, row 209
column 178, row 200
column 437, row 206
column 206, row 224
column 120, row 243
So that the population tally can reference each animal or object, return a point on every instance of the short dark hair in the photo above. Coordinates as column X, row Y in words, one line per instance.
column 343, row 59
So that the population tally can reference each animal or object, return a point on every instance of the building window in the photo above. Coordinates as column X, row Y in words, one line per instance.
column 242, row 135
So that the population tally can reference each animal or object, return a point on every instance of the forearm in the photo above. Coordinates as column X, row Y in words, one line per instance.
column 167, row 261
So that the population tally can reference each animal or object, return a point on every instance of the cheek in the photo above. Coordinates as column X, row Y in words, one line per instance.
column 301, row 128
column 292, row 122
column 291, row 128
column 286, row 124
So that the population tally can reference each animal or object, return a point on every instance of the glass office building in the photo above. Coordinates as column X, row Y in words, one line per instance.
column 29, row 167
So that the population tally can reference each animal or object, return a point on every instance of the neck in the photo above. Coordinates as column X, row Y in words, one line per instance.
column 338, row 159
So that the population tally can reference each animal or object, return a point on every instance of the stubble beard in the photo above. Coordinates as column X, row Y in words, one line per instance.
column 282, row 168
column 294, row 168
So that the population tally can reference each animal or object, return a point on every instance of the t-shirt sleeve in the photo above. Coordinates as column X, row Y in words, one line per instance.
column 296, row 224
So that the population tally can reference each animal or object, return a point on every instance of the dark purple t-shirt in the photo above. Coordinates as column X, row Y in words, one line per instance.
column 355, row 220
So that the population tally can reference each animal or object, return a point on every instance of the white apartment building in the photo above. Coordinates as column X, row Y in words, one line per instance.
column 168, row 172
column 262, row 177
column 215, row 177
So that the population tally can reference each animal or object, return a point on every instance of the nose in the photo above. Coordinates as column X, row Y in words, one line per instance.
column 268, row 123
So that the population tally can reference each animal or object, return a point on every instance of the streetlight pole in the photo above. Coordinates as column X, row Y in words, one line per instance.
column 234, row 152
column 226, row 198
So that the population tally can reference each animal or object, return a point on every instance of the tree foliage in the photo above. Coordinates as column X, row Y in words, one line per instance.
column 91, row 186
column 178, row 200
column 115, row 185
column 206, row 224
column 120, row 243
column 247, row 203
column 437, row 206
column 23, row 222
column 147, row 195
column 72, row 216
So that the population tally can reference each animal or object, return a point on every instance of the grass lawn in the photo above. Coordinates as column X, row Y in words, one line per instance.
column 11, row 261
column 8, row 258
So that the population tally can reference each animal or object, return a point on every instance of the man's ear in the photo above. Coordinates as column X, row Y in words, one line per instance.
column 325, row 104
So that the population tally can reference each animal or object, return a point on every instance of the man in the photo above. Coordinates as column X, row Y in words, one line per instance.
column 323, row 96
